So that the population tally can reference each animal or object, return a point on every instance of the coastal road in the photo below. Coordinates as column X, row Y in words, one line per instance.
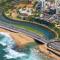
column 31, row 34
column 28, row 33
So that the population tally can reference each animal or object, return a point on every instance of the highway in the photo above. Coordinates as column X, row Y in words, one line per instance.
column 30, row 34
column 13, row 28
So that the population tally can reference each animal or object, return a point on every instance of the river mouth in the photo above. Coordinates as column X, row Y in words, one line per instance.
column 7, row 51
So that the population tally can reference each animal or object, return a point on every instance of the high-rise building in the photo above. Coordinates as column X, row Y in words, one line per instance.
column 57, row 6
column 41, row 5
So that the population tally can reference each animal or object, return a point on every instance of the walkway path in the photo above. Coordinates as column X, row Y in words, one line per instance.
column 32, row 35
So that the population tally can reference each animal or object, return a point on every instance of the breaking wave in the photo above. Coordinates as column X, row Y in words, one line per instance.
column 11, row 54
column 7, row 41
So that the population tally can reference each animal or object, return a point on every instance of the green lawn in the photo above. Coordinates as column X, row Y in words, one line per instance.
column 51, row 25
column 24, row 27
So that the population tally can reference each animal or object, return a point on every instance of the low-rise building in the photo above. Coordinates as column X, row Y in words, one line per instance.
column 25, row 12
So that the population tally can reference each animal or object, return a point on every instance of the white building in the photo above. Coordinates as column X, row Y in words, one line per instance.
column 42, row 3
column 57, row 6
column 25, row 11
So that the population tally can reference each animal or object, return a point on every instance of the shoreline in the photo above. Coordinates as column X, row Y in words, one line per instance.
column 35, row 23
column 44, row 49
column 20, row 38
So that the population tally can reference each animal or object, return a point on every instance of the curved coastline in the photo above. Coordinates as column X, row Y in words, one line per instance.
column 41, row 51
column 34, row 23
column 44, row 27
column 17, row 36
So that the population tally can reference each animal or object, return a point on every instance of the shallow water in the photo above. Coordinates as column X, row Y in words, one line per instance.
column 7, row 51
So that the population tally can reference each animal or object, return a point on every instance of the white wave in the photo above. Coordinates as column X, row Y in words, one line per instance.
column 2, row 43
column 13, row 54
column 5, row 34
column 7, row 40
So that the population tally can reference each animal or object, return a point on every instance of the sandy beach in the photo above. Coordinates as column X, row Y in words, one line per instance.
column 43, row 48
column 20, row 38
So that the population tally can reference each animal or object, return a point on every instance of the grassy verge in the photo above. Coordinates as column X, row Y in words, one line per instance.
column 50, row 25
column 30, row 29
column 58, row 31
column 24, row 27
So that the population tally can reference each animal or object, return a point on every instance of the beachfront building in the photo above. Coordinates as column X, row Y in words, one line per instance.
column 46, row 5
column 25, row 12
column 24, row 8
column 57, row 5
column 50, row 7
column 54, row 4
column 40, row 5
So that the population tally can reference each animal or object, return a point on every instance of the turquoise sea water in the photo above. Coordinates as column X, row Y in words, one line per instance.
column 9, row 51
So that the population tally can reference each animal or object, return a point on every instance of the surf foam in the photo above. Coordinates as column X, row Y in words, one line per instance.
column 14, row 54
column 9, row 43
column 7, row 40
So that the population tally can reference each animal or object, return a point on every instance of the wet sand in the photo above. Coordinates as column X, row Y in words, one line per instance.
column 20, row 38
column 43, row 48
